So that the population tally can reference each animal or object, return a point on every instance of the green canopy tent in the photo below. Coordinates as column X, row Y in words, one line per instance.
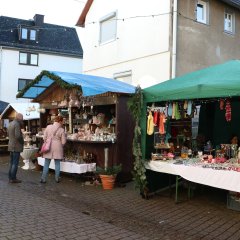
column 221, row 80
column 218, row 81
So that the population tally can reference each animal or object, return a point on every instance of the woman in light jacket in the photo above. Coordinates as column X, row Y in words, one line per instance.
column 58, row 135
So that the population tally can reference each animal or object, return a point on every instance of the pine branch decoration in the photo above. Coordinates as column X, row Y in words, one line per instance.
column 139, row 170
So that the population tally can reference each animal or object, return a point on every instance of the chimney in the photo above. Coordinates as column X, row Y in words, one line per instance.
column 38, row 19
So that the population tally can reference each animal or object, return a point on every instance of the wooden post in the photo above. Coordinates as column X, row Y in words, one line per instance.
column 70, row 120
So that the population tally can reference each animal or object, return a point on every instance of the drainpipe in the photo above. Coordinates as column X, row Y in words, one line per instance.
column 0, row 70
column 174, row 39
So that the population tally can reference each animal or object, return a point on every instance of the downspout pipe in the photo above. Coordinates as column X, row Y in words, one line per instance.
column 0, row 70
column 174, row 39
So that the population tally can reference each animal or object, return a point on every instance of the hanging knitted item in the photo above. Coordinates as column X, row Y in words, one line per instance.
column 162, row 120
column 189, row 108
column 228, row 114
column 166, row 109
column 173, row 110
column 167, row 126
column 221, row 104
column 194, row 110
column 156, row 118
column 177, row 113
column 169, row 110
column 150, row 124
column 185, row 105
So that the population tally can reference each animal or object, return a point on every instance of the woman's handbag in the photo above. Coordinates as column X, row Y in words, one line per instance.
column 47, row 144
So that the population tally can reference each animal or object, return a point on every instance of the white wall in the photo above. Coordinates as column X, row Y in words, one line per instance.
column 142, row 43
column 11, row 70
column 144, row 70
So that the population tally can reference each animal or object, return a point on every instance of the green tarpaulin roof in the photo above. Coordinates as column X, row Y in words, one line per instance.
column 221, row 80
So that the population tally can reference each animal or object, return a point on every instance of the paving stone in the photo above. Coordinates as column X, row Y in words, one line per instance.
column 70, row 210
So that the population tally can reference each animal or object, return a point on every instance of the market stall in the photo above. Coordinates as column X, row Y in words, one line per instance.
column 31, row 120
column 3, row 105
column 193, row 117
column 98, row 124
column 30, row 113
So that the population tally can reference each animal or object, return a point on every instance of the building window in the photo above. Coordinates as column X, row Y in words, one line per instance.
column 108, row 28
column 125, row 76
column 28, row 58
column 24, row 33
column 28, row 34
column 33, row 34
column 229, row 22
column 22, row 83
column 202, row 13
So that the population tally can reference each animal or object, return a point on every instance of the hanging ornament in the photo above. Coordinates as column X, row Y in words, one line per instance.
column 221, row 104
column 228, row 114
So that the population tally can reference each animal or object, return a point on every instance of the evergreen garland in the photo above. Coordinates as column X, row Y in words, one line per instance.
column 139, row 171
column 51, row 76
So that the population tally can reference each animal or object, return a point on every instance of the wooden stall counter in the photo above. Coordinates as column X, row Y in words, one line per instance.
column 3, row 144
column 103, row 153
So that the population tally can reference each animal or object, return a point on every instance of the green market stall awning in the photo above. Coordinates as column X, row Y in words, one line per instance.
column 89, row 84
column 221, row 80
column 218, row 81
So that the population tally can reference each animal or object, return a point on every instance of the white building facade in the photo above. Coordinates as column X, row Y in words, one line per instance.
column 148, row 42
column 14, row 75
column 128, row 40
column 23, row 57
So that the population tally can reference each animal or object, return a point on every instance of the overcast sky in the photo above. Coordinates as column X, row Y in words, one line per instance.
column 61, row 12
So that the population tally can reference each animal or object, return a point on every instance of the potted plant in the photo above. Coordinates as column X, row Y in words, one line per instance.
column 108, row 175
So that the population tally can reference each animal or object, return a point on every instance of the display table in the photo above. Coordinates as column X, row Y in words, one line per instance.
column 3, row 143
column 28, row 154
column 223, row 179
column 70, row 167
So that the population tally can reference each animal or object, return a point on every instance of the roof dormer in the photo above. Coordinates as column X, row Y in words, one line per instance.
column 27, row 33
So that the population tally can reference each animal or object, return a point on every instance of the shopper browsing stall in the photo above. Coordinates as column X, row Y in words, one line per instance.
column 15, row 146
column 56, row 132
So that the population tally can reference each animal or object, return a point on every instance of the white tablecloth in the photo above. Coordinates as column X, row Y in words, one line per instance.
column 224, row 179
column 71, row 167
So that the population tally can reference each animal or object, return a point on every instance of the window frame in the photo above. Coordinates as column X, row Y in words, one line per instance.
column 229, row 13
column 27, row 81
column 26, row 34
column 125, row 74
column 30, row 34
column 205, row 17
column 28, row 59
column 109, row 17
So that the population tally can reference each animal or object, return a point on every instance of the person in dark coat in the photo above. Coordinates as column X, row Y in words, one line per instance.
column 56, row 132
column 15, row 146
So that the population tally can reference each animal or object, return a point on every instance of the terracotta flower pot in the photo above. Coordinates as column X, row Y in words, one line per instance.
column 108, row 181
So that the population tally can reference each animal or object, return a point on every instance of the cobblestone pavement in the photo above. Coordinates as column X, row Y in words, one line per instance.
column 73, row 210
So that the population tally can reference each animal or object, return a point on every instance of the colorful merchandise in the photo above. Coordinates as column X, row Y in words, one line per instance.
column 189, row 108
column 156, row 118
column 228, row 113
column 150, row 124
column 221, row 104
column 170, row 110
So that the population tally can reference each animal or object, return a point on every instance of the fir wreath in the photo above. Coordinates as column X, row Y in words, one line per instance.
column 53, row 77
